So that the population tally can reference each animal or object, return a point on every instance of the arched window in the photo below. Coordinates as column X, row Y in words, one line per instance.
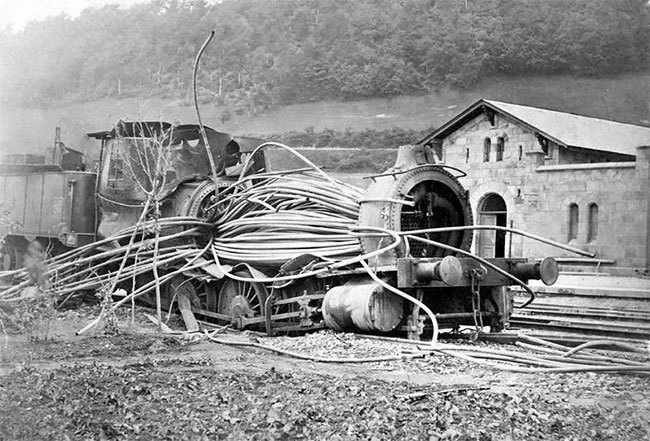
column 574, row 217
column 501, row 143
column 487, row 146
column 592, row 225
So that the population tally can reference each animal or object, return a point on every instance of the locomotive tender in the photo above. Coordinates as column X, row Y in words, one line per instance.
column 60, row 206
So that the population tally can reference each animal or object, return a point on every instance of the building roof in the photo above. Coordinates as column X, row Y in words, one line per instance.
column 566, row 129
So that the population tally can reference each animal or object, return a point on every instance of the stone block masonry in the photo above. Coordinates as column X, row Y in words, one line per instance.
column 612, row 198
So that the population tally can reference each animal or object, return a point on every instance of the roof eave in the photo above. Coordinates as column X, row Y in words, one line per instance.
column 601, row 150
column 470, row 112
column 453, row 123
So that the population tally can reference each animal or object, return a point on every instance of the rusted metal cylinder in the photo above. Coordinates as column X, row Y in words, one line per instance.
column 547, row 271
column 362, row 305
column 448, row 270
column 415, row 195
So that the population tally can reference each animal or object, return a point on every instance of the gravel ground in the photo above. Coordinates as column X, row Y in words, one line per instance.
column 141, row 385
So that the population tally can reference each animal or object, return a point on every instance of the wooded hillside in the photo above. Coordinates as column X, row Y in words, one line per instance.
column 287, row 51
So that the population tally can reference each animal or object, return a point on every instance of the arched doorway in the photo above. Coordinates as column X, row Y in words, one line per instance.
column 492, row 211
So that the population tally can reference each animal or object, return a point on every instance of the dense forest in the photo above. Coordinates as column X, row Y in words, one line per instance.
column 286, row 51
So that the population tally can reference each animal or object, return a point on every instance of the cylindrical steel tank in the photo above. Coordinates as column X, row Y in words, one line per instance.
column 362, row 305
column 414, row 195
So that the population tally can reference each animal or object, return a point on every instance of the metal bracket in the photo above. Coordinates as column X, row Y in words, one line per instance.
column 476, row 275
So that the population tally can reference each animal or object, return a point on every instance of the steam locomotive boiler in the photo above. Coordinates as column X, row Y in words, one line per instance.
column 414, row 231
column 399, row 261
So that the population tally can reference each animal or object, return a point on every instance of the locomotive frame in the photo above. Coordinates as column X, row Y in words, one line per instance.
column 417, row 196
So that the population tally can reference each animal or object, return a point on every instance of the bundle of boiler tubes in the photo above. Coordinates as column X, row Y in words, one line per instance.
column 91, row 267
column 266, row 219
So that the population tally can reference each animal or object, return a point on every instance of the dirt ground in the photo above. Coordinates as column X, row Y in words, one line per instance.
column 144, row 385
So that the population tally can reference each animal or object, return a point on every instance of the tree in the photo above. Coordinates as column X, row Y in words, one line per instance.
column 305, row 50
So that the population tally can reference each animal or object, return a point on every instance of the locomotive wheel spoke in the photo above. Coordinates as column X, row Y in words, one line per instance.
column 206, row 294
column 241, row 300
column 201, row 293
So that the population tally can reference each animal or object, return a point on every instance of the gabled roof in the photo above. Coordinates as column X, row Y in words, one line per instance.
column 566, row 129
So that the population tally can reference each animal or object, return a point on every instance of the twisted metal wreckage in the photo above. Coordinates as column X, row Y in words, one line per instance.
column 290, row 250
column 188, row 214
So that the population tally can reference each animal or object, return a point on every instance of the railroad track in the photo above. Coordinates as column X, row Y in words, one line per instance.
column 584, row 320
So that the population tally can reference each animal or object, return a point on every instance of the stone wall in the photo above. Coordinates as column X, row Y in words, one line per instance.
column 617, row 189
column 538, row 188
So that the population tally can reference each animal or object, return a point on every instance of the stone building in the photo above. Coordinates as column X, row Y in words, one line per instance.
column 574, row 179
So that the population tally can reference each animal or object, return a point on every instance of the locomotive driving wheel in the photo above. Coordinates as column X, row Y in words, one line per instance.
column 202, row 202
column 241, row 300
column 202, row 293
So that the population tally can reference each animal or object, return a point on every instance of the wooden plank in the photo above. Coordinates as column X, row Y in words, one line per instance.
column 185, row 306
column 166, row 329
column 577, row 312
column 586, row 323
column 590, row 308
column 564, row 326
column 616, row 293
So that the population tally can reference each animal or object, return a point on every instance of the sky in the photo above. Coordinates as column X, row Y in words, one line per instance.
column 17, row 13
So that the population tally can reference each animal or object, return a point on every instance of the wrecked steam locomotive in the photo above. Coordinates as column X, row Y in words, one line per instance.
column 418, row 202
